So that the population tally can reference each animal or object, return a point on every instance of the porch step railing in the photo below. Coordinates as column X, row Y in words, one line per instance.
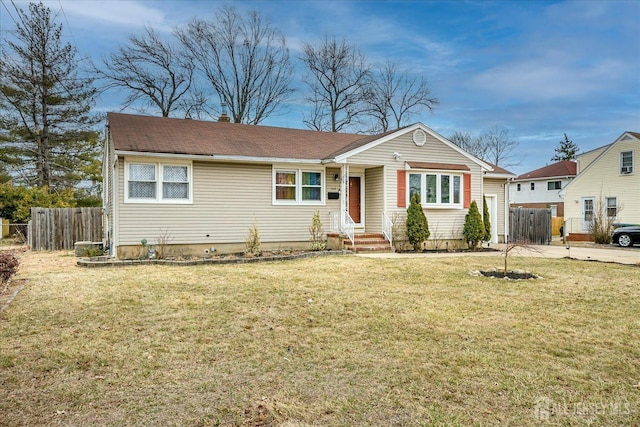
column 387, row 228
column 349, row 227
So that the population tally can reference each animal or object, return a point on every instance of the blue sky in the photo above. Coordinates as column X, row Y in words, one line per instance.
column 540, row 69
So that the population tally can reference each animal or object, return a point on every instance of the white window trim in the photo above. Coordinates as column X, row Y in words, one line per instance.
column 423, row 188
column 633, row 161
column 159, row 173
column 298, row 200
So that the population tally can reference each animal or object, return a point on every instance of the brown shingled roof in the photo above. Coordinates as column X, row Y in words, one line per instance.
column 562, row 168
column 179, row 136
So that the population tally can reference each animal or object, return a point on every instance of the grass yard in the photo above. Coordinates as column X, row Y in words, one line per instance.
column 332, row 341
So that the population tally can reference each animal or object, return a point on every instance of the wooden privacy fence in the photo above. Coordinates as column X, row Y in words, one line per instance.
column 53, row 229
column 530, row 225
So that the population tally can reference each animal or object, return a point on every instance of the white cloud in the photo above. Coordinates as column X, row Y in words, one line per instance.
column 124, row 12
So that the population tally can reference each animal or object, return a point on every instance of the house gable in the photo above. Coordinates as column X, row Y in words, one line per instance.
column 603, row 182
column 420, row 135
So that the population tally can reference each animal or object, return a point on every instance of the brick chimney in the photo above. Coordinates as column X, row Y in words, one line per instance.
column 223, row 116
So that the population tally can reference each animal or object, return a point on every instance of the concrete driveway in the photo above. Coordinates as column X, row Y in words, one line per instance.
column 589, row 252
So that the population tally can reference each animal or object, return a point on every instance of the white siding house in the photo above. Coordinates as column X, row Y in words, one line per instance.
column 540, row 188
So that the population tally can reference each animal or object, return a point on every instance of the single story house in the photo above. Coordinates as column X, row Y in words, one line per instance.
column 198, row 186
column 607, row 184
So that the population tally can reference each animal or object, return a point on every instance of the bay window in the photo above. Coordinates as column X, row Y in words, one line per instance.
column 437, row 189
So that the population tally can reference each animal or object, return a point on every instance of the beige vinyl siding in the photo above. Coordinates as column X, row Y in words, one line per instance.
column 584, row 160
column 603, row 180
column 447, row 222
column 227, row 200
column 496, row 186
column 374, row 199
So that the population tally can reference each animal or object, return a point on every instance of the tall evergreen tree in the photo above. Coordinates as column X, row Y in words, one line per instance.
column 486, row 220
column 417, row 224
column 473, row 230
column 47, row 130
column 566, row 151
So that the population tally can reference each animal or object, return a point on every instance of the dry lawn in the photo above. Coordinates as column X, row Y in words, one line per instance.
column 333, row 341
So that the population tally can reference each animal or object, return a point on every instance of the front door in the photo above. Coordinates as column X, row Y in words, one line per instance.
column 492, row 205
column 587, row 213
column 354, row 199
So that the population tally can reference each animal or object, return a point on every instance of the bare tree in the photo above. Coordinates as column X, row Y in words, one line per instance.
column 470, row 143
column 393, row 96
column 245, row 60
column 338, row 75
column 151, row 70
column 501, row 147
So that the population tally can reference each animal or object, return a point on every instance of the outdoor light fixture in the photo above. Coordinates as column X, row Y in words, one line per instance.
column 336, row 177
column 396, row 155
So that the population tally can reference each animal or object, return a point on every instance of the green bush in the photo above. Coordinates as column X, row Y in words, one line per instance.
column 417, row 224
column 486, row 220
column 473, row 230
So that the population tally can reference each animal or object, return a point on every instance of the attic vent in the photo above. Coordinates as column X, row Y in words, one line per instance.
column 419, row 137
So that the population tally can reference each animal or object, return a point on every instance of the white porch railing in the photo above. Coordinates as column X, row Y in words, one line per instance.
column 349, row 227
column 387, row 228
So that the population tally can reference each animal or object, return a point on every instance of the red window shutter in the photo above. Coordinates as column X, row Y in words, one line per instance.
column 402, row 189
column 467, row 189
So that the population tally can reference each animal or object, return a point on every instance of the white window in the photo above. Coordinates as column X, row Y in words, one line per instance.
column 518, row 187
column 612, row 207
column 626, row 162
column 148, row 182
column 175, row 182
column 142, row 181
column 297, row 186
column 436, row 189
column 533, row 186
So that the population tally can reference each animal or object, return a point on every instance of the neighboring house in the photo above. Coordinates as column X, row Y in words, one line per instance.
column 607, row 186
column 541, row 188
column 200, row 185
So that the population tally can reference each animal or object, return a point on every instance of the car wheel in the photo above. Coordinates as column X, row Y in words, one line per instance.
column 624, row 240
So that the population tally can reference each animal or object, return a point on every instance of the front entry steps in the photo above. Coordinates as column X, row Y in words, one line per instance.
column 368, row 242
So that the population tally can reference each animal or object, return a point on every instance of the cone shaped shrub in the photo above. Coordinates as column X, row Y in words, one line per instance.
column 417, row 225
column 486, row 220
column 473, row 230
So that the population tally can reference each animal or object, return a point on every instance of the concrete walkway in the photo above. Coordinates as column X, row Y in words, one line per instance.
column 630, row 256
